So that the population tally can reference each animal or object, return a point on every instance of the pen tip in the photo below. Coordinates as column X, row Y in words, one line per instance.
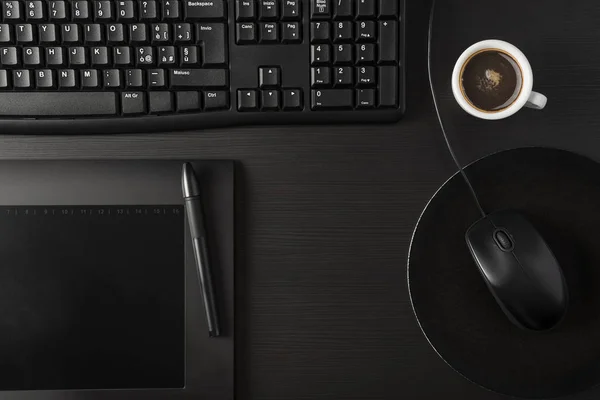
column 189, row 183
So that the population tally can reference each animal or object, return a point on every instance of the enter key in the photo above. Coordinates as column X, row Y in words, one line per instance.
column 212, row 38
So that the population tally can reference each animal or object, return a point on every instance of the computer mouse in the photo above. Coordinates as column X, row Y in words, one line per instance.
column 519, row 269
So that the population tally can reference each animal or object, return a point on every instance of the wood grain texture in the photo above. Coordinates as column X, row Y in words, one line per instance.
column 325, row 214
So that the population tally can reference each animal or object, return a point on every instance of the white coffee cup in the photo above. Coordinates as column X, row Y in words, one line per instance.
column 525, row 98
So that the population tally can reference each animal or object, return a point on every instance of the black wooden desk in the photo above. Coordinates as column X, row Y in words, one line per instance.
column 327, row 214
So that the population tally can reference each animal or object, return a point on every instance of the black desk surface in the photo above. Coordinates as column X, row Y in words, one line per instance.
column 327, row 213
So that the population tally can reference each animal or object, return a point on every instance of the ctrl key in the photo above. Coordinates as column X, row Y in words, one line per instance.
column 133, row 103
column 216, row 100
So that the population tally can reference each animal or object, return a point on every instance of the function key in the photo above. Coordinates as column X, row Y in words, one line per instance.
column 292, row 99
column 320, row 9
column 388, row 8
column 319, row 31
column 344, row 9
column 290, row 32
column 214, row 9
column 269, row 77
column 245, row 33
column 268, row 10
column 269, row 100
column 245, row 10
column 171, row 9
column 291, row 9
column 247, row 100
column 366, row 8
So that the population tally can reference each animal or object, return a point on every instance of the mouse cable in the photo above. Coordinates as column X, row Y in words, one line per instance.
column 439, row 116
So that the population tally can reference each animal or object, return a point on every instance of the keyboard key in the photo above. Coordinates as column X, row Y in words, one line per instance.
column 245, row 33
column 186, row 78
column 70, row 33
column 214, row 46
column 320, row 9
column 148, row 10
column 388, row 8
column 292, row 10
column 58, row 10
column 366, row 76
column 144, row 55
column 245, row 10
column 366, row 8
column 320, row 53
column 67, row 79
column 3, row 79
column 54, row 56
column 344, row 9
column 292, row 100
column 269, row 100
column 388, row 86
column 319, row 31
column 133, row 103
column 388, row 41
column 99, row 56
column 134, row 78
column 268, row 10
column 89, row 78
column 171, row 9
column 343, row 76
column 214, row 9
column 24, row 33
column 187, row 101
column 343, row 31
column 122, row 55
column 126, row 10
column 216, row 100
column 290, row 32
column 161, row 33
column 331, row 98
column 102, row 10
column 268, row 32
column 343, row 54
column 57, row 104
column 47, row 33
column 115, row 33
column 92, row 33
column 77, row 56
column 166, row 55
column 34, row 10
column 8, row 56
column 160, row 102
column 183, row 32
column 80, row 10
column 21, row 79
column 31, row 56
column 5, row 33
column 44, row 79
column 11, row 10
column 137, row 33
column 365, row 53
column 156, row 78
column 320, row 76
column 247, row 100
column 268, row 77
column 189, row 55
column 365, row 31
column 365, row 98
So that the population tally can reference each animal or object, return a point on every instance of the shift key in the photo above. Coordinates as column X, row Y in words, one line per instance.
column 204, row 9
column 192, row 78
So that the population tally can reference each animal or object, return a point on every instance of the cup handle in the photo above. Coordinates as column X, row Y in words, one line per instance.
column 537, row 101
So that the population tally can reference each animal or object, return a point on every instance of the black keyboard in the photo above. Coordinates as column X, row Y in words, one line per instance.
column 93, row 66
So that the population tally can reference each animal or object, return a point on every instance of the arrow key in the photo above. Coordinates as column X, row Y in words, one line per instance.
column 270, row 100
column 291, row 32
column 247, row 100
column 292, row 99
column 269, row 77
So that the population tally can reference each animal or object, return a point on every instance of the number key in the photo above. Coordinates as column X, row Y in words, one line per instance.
column 320, row 53
column 81, row 10
column 58, row 10
column 11, row 10
column 365, row 53
column 35, row 10
column 126, row 10
column 343, row 54
column 342, row 31
column 365, row 31
column 343, row 76
column 102, row 10
column 319, row 31
column 365, row 76
column 366, row 8
column 320, row 76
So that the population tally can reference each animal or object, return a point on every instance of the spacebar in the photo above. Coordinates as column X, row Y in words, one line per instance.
column 57, row 104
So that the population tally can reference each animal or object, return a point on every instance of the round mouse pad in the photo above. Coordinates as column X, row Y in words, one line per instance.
column 559, row 192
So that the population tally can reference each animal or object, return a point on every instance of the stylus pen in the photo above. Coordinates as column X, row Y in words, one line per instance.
column 193, row 206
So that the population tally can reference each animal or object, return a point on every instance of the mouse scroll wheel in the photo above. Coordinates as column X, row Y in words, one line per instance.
column 503, row 240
